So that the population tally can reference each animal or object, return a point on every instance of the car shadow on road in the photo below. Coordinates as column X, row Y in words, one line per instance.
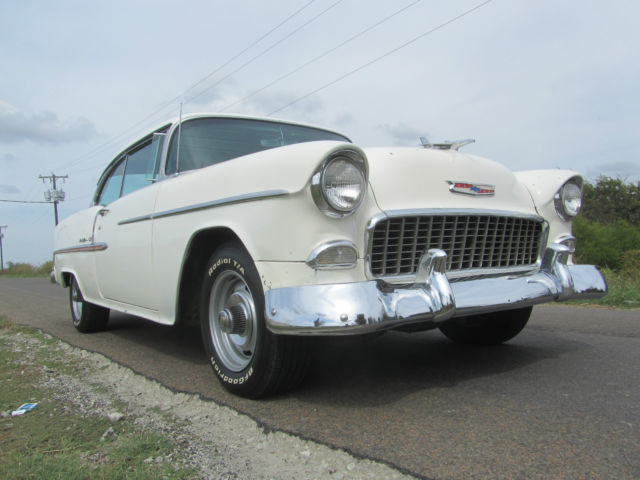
column 372, row 372
column 358, row 371
column 181, row 341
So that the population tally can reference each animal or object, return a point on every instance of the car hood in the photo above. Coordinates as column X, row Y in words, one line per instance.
column 419, row 178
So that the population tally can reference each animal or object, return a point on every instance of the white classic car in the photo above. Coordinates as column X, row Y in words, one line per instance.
column 265, row 231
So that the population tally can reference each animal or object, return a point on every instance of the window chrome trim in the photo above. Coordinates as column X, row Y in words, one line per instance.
column 478, row 272
column 247, row 197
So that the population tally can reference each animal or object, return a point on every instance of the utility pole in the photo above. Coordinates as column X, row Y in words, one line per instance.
column 53, row 194
column 1, row 254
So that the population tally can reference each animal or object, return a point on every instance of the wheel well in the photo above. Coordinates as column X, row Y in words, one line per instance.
column 202, row 245
column 66, row 279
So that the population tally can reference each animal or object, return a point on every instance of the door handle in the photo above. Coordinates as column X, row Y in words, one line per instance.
column 103, row 211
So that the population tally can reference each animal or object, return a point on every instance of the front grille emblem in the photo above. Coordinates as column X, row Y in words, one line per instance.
column 471, row 188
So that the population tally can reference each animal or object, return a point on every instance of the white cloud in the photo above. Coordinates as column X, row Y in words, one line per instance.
column 42, row 127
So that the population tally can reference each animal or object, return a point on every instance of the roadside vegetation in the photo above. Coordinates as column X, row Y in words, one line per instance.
column 58, row 440
column 608, row 235
column 27, row 270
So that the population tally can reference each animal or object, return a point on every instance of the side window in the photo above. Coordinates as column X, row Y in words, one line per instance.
column 113, row 185
column 139, row 169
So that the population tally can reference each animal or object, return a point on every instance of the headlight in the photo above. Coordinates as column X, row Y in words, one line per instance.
column 568, row 200
column 342, row 184
column 339, row 185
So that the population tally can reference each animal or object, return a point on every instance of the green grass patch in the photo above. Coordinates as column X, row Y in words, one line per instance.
column 55, row 441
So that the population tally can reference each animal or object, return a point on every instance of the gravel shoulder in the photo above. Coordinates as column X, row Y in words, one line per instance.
column 216, row 441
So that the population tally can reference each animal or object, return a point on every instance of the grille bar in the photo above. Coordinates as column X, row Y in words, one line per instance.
column 470, row 241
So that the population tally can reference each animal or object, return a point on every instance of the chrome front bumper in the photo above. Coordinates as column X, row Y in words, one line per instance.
column 354, row 308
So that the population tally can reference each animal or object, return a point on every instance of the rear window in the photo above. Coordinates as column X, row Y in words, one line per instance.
column 206, row 141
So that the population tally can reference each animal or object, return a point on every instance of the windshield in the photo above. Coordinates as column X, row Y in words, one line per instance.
column 206, row 141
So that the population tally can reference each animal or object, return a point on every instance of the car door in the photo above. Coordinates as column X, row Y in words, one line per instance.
column 125, row 269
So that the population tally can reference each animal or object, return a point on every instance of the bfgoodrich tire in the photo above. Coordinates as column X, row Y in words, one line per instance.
column 86, row 316
column 488, row 328
column 248, row 360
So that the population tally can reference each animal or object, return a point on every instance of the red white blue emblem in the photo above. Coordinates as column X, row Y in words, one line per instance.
column 471, row 188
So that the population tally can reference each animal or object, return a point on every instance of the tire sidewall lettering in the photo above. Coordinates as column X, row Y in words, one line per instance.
column 226, row 261
column 226, row 378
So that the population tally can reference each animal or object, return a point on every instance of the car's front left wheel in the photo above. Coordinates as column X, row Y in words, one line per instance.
column 247, row 358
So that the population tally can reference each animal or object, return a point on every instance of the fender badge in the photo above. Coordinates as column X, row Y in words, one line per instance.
column 471, row 188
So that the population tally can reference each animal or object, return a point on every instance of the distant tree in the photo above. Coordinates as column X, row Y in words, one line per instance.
column 612, row 199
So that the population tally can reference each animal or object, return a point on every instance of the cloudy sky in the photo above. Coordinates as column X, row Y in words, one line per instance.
column 538, row 84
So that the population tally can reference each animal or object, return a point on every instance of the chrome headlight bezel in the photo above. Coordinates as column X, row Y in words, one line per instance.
column 319, row 189
column 568, row 199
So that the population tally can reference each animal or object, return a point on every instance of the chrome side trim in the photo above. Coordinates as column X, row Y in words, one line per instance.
column 354, row 308
column 247, row 197
column 91, row 247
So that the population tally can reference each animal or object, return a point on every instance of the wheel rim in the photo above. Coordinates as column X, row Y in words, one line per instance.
column 232, row 320
column 76, row 303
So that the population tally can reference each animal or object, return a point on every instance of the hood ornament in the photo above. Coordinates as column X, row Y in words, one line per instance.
column 467, row 188
column 447, row 144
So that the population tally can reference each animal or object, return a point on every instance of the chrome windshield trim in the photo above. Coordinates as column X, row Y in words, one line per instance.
column 91, row 247
column 247, row 197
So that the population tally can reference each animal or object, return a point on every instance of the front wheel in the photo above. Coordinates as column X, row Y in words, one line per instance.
column 248, row 360
column 86, row 316
column 488, row 328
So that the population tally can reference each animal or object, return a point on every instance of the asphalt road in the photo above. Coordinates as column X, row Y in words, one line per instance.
column 561, row 400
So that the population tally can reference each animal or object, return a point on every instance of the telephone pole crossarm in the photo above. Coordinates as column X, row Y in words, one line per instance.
column 54, row 195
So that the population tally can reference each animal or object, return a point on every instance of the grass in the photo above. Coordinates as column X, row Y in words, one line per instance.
column 54, row 441
column 14, row 270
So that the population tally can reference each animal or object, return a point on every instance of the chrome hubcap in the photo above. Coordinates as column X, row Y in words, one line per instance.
column 76, row 302
column 232, row 320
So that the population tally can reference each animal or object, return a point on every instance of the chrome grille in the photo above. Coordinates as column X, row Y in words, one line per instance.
column 470, row 241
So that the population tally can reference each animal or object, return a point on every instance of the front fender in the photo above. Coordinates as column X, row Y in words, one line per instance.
column 543, row 186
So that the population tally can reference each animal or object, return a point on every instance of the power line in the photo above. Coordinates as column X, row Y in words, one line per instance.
column 322, row 55
column 390, row 52
column 191, row 87
column 208, row 76
column 253, row 59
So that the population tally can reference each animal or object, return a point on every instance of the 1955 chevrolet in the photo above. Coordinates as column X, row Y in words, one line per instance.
column 264, row 231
